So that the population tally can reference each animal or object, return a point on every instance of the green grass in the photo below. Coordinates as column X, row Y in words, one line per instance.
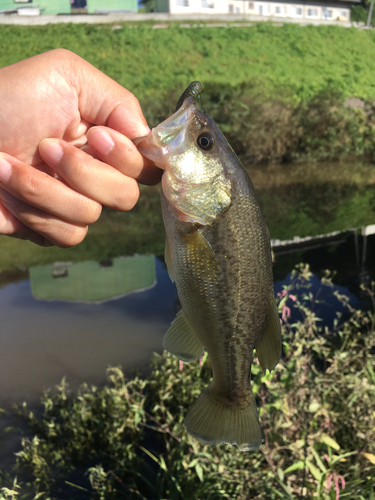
column 277, row 92
column 299, row 60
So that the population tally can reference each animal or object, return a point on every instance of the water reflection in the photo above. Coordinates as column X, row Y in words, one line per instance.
column 92, row 281
column 312, row 199
column 324, row 303
column 350, row 253
column 42, row 341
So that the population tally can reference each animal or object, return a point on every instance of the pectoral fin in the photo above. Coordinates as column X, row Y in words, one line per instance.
column 201, row 254
column 181, row 340
column 268, row 348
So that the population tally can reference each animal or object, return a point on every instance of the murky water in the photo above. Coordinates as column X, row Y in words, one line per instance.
column 42, row 341
column 68, row 319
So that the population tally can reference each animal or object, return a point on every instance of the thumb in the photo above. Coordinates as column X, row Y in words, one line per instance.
column 102, row 101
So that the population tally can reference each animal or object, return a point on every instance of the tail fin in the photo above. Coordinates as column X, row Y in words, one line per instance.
column 214, row 420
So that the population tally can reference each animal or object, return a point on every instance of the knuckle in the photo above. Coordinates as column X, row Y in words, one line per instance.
column 61, row 54
column 76, row 170
column 33, row 186
column 72, row 236
column 28, row 186
column 87, row 212
column 95, row 211
column 127, row 198
column 133, row 99
column 58, row 232
column 36, row 222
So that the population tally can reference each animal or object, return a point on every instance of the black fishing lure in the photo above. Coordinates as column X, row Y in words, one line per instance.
column 193, row 90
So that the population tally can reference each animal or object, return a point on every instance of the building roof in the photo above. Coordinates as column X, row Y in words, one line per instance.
column 91, row 281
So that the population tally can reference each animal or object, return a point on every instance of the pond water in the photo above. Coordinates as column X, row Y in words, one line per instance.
column 78, row 336
column 76, row 319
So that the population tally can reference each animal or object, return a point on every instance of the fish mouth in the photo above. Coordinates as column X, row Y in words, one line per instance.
column 170, row 135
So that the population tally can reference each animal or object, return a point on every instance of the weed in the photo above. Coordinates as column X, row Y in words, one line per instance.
column 127, row 439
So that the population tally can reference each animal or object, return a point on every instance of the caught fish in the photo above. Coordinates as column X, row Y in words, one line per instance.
column 218, row 254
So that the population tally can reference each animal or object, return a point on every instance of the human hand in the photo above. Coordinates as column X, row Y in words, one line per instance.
column 50, row 189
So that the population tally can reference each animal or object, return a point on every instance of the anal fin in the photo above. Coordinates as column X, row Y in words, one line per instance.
column 181, row 340
column 268, row 348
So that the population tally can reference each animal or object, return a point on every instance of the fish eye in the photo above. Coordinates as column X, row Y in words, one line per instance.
column 205, row 141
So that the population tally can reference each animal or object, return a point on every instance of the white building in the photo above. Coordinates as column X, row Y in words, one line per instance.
column 308, row 10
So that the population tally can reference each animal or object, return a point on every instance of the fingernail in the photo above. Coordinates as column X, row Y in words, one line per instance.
column 8, row 198
column 144, row 130
column 101, row 141
column 51, row 151
column 5, row 170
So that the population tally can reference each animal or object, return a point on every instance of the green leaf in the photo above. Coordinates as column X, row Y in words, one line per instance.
column 319, row 461
column 338, row 458
column 314, row 407
column 199, row 471
column 281, row 495
column 297, row 466
column 314, row 470
column 371, row 497
column 193, row 463
column 324, row 438
column 285, row 488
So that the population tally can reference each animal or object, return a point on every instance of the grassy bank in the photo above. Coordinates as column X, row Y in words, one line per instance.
column 299, row 60
column 278, row 92
column 127, row 440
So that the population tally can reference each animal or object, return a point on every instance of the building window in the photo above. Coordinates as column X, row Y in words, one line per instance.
column 263, row 9
column 78, row 4
column 238, row 11
column 343, row 14
column 183, row 3
column 296, row 11
column 312, row 12
column 206, row 5
column 326, row 13
column 231, row 8
column 280, row 10
column 251, row 6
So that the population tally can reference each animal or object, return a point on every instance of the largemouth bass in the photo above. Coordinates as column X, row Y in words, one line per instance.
column 218, row 254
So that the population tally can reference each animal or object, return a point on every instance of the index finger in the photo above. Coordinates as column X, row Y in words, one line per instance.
column 118, row 151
